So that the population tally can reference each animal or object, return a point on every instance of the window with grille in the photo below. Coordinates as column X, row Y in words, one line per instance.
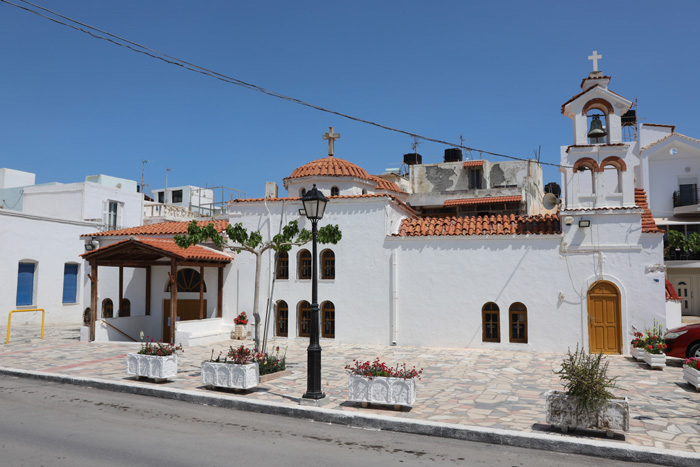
column 282, row 328
column 282, row 266
column 491, row 322
column 107, row 308
column 125, row 308
column 304, row 319
column 518, row 323
column 304, row 260
column 327, row 264
column 328, row 320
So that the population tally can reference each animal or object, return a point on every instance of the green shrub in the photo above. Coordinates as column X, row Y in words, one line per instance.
column 586, row 379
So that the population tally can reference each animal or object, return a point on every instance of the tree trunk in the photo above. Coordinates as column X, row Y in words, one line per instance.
column 256, row 298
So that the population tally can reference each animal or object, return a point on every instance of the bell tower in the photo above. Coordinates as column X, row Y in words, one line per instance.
column 598, row 167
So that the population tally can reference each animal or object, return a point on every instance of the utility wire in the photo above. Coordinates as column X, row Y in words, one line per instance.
column 133, row 46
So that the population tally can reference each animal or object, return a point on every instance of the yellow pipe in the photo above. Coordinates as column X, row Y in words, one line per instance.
column 9, row 321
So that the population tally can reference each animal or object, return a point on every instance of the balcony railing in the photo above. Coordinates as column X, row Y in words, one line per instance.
column 687, row 195
column 679, row 255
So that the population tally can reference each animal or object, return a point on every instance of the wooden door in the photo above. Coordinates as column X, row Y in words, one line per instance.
column 186, row 310
column 604, row 319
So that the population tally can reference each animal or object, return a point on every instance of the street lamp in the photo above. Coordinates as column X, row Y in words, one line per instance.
column 314, row 206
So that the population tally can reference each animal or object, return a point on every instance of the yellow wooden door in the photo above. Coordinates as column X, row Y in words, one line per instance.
column 604, row 327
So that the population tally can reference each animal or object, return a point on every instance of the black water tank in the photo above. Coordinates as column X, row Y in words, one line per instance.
column 453, row 155
column 554, row 188
column 629, row 118
column 412, row 159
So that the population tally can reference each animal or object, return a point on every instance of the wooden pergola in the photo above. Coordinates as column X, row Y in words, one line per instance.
column 145, row 253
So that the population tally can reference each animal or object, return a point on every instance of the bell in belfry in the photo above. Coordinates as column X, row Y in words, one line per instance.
column 597, row 130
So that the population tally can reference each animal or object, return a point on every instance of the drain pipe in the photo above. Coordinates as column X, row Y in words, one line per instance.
column 394, row 296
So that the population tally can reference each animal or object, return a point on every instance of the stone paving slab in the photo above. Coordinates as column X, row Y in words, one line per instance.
column 495, row 389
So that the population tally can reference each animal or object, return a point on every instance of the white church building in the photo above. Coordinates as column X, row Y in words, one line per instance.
column 465, row 256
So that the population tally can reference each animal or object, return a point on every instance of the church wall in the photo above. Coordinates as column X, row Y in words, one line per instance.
column 50, row 243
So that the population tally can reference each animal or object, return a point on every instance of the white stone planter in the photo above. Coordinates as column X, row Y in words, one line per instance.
column 562, row 411
column 655, row 361
column 692, row 376
column 381, row 390
column 240, row 331
column 151, row 366
column 638, row 353
column 230, row 375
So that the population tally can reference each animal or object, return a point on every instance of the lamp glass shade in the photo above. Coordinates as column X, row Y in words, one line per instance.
column 314, row 204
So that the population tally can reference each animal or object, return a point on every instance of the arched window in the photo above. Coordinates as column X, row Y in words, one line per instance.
column 282, row 268
column 612, row 168
column 107, row 308
column 188, row 280
column 328, row 320
column 25, row 283
column 304, row 264
column 302, row 192
column 304, row 319
column 70, row 283
column 282, row 319
column 125, row 308
column 335, row 191
column 327, row 264
column 586, row 169
column 518, row 323
column 490, row 322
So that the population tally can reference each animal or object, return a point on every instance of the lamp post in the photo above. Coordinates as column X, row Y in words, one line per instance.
column 314, row 205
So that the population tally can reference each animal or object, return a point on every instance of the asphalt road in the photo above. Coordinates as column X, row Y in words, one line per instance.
column 49, row 424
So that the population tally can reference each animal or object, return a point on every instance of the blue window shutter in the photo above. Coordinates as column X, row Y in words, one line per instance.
column 25, row 284
column 70, row 283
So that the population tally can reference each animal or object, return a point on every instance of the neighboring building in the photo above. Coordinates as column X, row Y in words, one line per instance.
column 40, row 244
column 670, row 170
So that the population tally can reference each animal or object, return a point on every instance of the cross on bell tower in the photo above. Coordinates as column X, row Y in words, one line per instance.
column 331, row 136
column 594, row 58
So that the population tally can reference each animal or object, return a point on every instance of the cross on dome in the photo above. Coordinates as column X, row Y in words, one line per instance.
column 595, row 57
column 331, row 136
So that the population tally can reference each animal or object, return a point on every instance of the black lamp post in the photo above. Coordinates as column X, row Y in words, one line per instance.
column 314, row 205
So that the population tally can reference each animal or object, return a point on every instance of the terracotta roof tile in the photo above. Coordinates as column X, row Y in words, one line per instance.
column 648, row 224
column 169, row 248
column 671, row 292
column 477, row 225
column 478, row 163
column 161, row 228
column 487, row 200
column 330, row 167
column 386, row 185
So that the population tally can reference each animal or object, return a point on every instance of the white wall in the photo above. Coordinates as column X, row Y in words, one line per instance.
column 51, row 243
column 11, row 178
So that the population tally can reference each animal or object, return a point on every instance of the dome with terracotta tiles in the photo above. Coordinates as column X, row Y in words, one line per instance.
column 330, row 167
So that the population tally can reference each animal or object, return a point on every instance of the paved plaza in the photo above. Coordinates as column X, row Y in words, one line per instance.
column 482, row 388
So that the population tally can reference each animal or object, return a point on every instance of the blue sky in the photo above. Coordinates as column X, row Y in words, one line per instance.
column 494, row 72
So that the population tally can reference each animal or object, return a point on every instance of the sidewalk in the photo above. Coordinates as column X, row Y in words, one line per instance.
column 494, row 390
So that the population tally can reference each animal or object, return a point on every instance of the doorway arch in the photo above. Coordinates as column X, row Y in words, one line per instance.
column 604, row 318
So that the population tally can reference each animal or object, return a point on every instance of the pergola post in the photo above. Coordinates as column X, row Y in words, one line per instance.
column 93, row 298
column 173, row 298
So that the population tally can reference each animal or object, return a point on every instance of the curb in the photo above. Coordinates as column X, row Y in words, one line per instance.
column 596, row 448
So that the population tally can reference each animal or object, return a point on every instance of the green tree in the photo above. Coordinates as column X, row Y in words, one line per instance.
column 239, row 239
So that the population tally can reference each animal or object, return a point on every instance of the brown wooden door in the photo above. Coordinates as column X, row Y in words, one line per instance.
column 604, row 327
column 186, row 310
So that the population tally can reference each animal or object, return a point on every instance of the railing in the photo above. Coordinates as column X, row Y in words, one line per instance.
column 680, row 255
column 168, row 211
column 119, row 331
column 687, row 195
column 9, row 321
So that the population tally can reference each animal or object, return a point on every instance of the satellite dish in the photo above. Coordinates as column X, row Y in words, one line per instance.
column 550, row 201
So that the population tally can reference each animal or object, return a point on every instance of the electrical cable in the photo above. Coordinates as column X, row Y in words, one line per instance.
column 213, row 74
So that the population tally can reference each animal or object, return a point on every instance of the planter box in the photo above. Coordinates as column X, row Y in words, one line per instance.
column 240, row 331
column 151, row 366
column 655, row 361
column 230, row 375
column 692, row 376
column 380, row 390
column 562, row 411
column 638, row 353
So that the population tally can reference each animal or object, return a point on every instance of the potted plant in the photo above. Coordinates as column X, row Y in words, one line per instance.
column 154, row 360
column 691, row 372
column 241, row 329
column 238, row 370
column 272, row 364
column 587, row 402
column 655, row 345
column 376, row 383
column 638, row 345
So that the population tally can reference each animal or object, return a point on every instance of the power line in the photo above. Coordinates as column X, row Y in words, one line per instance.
column 133, row 46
